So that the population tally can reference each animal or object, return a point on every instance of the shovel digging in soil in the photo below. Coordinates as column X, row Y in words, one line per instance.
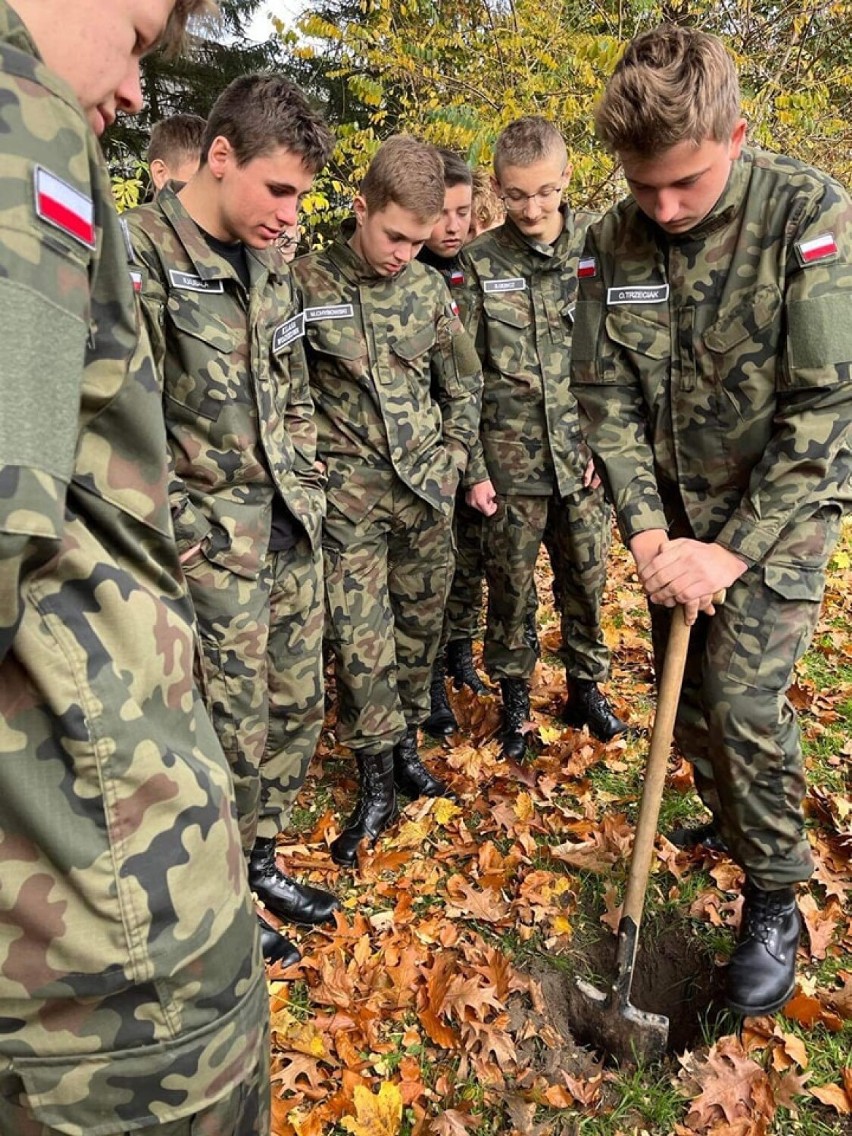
column 609, row 1018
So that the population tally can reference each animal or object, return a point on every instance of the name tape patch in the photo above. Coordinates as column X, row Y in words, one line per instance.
column 334, row 312
column 190, row 283
column 587, row 268
column 638, row 294
column 509, row 284
column 286, row 332
column 61, row 205
column 822, row 247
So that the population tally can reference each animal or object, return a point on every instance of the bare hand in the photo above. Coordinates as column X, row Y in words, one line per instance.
column 590, row 475
column 690, row 572
column 483, row 498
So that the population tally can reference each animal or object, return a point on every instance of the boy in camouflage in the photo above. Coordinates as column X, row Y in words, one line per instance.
column 131, row 988
column 174, row 149
column 396, row 384
column 537, row 472
column 713, row 363
column 246, row 494
column 464, row 603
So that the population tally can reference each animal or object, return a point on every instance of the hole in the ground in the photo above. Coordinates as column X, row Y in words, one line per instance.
column 673, row 976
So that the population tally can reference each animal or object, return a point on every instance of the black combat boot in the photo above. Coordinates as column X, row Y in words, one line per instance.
column 531, row 634
column 374, row 811
column 410, row 774
column 275, row 947
column 761, row 975
column 516, row 712
column 707, row 835
column 460, row 666
column 285, row 897
column 441, row 721
column 588, row 706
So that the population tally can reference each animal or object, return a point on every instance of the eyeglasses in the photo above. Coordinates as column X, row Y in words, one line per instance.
column 285, row 240
column 514, row 200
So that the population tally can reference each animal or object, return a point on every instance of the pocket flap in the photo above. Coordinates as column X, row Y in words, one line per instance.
column 795, row 583
column 500, row 308
column 414, row 345
column 638, row 333
column 744, row 320
column 330, row 338
column 192, row 319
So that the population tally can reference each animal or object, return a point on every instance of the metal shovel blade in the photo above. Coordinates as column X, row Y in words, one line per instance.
column 631, row 1035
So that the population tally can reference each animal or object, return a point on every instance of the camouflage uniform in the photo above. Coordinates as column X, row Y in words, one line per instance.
column 714, row 368
column 242, row 444
column 396, row 384
column 521, row 315
column 464, row 603
column 131, row 989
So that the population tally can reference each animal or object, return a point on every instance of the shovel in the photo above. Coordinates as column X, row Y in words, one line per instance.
column 628, row 1033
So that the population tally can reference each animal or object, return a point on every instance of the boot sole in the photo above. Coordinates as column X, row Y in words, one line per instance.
column 759, row 1011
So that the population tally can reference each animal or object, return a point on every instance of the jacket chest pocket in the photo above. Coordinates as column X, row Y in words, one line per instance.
column 738, row 353
column 411, row 357
column 207, row 378
column 509, row 322
column 644, row 344
column 342, row 346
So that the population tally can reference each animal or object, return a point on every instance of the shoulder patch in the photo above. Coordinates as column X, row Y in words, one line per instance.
column 587, row 267
column 188, row 282
column 136, row 279
column 285, row 333
column 823, row 247
column 332, row 312
column 507, row 284
column 452, row 308
column 456, row 278
column 61, row 205
column 638, row 294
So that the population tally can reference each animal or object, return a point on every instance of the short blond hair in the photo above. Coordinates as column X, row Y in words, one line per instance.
column 672, row 85
column 528, row 140
column 407, row 173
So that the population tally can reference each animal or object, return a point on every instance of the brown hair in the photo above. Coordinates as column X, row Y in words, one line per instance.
column 527, row 140
column 407, row 173
column 257, row 113
column 173, row 40
column 672, row 85
column 176, row 139
column 456, row 169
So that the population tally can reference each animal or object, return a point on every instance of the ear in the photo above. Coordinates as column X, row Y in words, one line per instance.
column 159, row 173
column 220, row 156
column 738, row 136
column 359, row 208
column 496, row 187
column 566, row 173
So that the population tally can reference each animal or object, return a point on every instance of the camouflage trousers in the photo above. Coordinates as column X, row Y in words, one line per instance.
column 578, row 541
column 386, row 579
column 464, row 603
column 262, row 646
column 243, row 1111
column 735, row 723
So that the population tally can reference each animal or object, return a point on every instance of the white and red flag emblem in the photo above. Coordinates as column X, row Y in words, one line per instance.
column 587, row 267
column 64, row 207
column 817, row 248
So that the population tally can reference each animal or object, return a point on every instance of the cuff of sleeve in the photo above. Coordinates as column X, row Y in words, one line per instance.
column 746, row 540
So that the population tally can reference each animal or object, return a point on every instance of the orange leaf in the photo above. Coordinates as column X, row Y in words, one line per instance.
column 835, row 1096
column 379, row 1115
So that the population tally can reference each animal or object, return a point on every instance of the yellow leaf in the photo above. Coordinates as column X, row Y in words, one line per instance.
column 445, row 811
column 524, row 807
column 550, row 734
column 379, row 1115
column 411, row 834
column 562, row 926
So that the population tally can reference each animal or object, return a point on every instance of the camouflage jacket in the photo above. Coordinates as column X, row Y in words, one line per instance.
column 127, row 978
column 394, row 376
column 717, row 364
column 522, row 296
column 237, row 403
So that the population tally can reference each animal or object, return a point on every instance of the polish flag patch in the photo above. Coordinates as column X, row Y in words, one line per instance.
column 136, row 280
column 457, row 278
column 61, row 205
column 817, row 248
column 452, row 308
column 587, row 267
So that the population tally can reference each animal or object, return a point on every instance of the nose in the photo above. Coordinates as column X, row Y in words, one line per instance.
column 287, row 212
column 666, row 206
column 531, row 208
column 128, row 95
column 404, row 253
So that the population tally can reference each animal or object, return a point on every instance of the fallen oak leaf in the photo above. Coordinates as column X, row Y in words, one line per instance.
column 727, row 1082
column 808, row 1011
column 454, row 1123
column 468, row 902
column 835, row 1096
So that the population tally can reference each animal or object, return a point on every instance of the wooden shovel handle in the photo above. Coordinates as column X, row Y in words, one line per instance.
column 655, row 772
